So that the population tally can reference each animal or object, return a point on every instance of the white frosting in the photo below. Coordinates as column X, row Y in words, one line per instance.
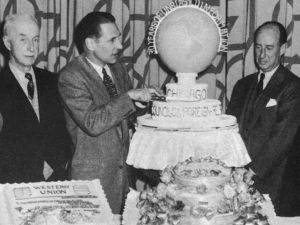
column 200, row 172
column 200, row 182
column 186, row 78
column 132, row 215
column 185, row 111
column 202, row 124
column 180, row 91
column 56, row 203
column 191, row 198
column 187, row 107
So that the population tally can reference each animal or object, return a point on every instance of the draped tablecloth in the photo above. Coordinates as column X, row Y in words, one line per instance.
column 154, row 148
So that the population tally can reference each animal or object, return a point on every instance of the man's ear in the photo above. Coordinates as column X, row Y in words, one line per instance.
column 7, row 43
column 282, row 49
column 90, row 44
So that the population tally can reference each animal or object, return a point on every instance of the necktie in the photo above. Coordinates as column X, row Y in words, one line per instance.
column 110, row 86
column 30, row 85
column 260, row 84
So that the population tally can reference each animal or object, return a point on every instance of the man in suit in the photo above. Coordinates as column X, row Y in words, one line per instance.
column 98, row 99
column 267, row 106
column 34, row 141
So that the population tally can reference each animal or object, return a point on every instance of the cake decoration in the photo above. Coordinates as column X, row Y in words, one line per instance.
column 185, row 110
column 202, row 191
column 195, row 92
column 177, row 4
column 56, row 203
column 187, row 36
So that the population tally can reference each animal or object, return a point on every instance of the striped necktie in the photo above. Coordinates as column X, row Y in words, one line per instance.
column 30, row 85
column 260, row 85
column 257, row 91
column 110, row 86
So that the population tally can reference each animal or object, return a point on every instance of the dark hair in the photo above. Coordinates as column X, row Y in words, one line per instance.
column 89, row 27
column 281, row 28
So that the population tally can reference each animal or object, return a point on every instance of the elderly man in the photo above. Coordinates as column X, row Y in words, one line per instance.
column 267, row 106
column 33, row 141
column 98, row 98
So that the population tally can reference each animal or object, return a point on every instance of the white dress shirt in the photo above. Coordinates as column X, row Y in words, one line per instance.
column 99, row 69
column 268, row 76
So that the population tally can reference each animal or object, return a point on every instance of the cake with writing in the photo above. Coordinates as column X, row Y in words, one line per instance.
column 202, row 191
column 56, row 203
column 186, row 102
column 186, row 106
column 187, row 35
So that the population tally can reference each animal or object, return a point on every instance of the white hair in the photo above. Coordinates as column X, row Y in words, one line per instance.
column 10, row 20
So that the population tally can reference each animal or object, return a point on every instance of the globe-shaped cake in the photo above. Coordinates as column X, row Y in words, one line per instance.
column 187, row 40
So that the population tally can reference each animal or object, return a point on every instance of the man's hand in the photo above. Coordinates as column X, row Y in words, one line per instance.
column 143, row 94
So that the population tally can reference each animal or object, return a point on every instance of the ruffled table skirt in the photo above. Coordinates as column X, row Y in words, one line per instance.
column 153, row 148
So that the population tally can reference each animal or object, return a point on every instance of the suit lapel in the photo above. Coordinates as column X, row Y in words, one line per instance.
column 258, row 107
column 119, row 84
column 247, row 109
column 42, row 90
column 18, row 94
column 117, row 79
column 271, row 91
column 92, row 74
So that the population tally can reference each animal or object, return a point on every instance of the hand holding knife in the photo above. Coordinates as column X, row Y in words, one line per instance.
column 155, row 97
column 145, row 95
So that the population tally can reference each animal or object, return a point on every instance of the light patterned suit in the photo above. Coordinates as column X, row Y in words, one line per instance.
column 98, row 126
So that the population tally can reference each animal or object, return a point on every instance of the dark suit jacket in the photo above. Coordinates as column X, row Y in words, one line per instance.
column 1, row 122
column 98, row 126
column 24, row 141
column 270, row 133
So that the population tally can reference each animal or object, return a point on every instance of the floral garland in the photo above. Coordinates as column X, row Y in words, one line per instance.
column 241, row 199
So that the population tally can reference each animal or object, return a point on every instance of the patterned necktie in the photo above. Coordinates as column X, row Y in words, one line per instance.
column 110, row 86
column 30, row 85
column 260, row 84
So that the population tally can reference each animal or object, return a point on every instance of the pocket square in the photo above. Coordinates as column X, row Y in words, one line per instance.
column 271, row 102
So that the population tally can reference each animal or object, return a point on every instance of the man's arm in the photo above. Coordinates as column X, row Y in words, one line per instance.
column 94, row 119
column 57, row 151
column 238, row 97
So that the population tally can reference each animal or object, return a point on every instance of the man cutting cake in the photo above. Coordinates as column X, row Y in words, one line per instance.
column 99, row 99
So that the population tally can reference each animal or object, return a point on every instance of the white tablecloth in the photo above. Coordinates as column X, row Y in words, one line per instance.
column 153, row 148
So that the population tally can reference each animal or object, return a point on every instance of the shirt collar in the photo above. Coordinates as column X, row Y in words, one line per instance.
column 99, row 68
column 96, row 66
column 18, row 73
column 268, row 74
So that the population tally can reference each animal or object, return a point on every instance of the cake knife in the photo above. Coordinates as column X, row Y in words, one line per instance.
column 155, row 97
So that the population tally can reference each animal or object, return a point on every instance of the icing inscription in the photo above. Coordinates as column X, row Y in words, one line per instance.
column 186, row 112
column 199, row 94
